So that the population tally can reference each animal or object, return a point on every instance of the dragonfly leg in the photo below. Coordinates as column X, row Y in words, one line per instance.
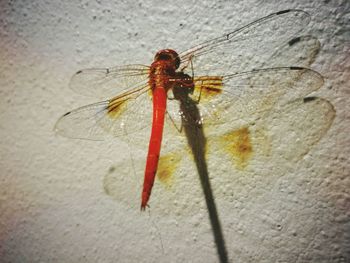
column 187, row 64
column 199, row 97
column 172, row 120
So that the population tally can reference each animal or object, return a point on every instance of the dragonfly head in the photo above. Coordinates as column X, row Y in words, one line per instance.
column 168, row 55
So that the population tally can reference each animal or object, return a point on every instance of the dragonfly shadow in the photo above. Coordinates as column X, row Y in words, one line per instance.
column 191, row 123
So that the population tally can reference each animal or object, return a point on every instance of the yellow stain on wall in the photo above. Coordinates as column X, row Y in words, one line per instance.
column 166, row 167
column 238, row 144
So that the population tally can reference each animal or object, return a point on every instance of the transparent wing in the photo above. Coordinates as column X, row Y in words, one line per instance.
column 259, row 91
column 242, row 98
column 122, row 115
column 107, row 82
column 301, row 51
column 246, row 48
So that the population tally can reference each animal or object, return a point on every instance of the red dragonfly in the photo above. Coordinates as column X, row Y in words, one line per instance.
column 209, row 74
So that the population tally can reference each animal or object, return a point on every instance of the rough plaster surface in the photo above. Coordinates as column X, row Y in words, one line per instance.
column 54, row 207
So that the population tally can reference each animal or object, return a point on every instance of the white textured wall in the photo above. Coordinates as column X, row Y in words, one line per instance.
column 53, row 206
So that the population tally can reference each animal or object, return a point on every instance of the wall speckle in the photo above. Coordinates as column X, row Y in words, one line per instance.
column 65, row 200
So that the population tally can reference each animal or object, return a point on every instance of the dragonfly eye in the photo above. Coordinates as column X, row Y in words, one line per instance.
column 168, row 55
column 164, row 57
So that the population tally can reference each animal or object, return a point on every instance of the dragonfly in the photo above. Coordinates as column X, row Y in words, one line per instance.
column 203, row 86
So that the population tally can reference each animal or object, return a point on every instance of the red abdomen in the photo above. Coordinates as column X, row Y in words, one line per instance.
column 161, row 71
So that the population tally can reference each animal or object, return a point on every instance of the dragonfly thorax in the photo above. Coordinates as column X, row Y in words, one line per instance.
column 163, row 69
